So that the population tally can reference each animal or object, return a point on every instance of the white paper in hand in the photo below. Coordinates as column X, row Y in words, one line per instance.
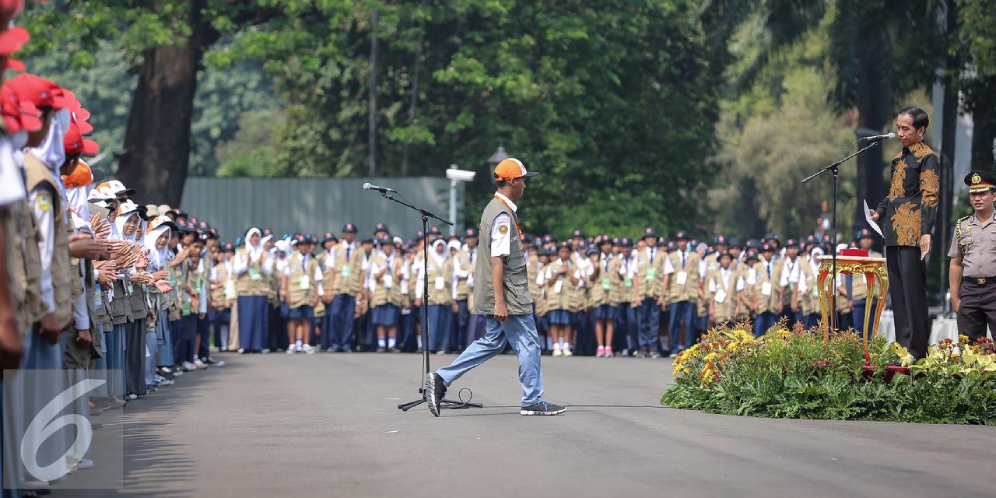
column 872, row 223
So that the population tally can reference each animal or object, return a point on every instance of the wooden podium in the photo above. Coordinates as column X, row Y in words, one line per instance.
column 873, row 269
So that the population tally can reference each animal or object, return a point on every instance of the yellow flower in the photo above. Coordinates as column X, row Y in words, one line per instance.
column 963, row 339
column 968, row 356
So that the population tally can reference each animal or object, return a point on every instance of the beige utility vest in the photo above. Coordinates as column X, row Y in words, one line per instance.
column 301, row 284
column 347, row 270
column 62, row 277
column 252, row 282
column 386, row 289
column 515, row 281
column 440, row 276
column 23, row 264
column 463, row 290
column 689, row 290
column 766, row 286
column 724, row 300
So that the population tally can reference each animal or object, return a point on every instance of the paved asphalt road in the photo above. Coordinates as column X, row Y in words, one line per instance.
column 326, row 425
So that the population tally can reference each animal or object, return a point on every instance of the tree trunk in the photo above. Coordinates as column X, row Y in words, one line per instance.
column 413, row 103
column 372, row 120
column 949, row 128
column 157, row 136
column 873, row 115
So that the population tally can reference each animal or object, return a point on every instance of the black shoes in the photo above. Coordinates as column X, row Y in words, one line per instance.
column 434, row 391
column 542, row 408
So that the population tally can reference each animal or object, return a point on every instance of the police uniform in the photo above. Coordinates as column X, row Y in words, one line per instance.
column 974, row 244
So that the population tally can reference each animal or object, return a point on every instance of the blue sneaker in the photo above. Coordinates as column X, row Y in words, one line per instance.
column 543, row 408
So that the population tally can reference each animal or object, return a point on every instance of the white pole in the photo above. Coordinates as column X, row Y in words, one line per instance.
column 453, row 205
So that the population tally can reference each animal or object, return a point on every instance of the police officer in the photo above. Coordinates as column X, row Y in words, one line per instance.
column 973, row 265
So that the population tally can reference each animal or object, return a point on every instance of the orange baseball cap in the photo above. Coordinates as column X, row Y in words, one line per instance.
column 511, row 168
column 82, row 176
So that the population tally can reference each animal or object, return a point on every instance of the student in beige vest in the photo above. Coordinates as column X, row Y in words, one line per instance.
column 385, row 294
column 438, row 274
column 299, row 288
column 603, row 310
column 560, row 285
column 649, row 278
column 344, row 288
column 681, row 285
column 807, row 292
column 223, row 295
column 860, row 298
column 462, row 273
column 767, row 299
column 724, row 286
column 251, row 264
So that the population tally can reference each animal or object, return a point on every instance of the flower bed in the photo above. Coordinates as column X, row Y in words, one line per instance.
column 795, row 374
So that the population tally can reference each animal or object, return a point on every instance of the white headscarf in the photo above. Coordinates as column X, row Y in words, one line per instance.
column 254, row 250
column 159, row 257
column 52, row 151
column 119, row 224
column 438, row 258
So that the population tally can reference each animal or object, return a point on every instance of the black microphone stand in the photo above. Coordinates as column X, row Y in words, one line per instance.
column 425, row 313
column 835, row 169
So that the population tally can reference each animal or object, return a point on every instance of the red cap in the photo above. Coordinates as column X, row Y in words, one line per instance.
column 18, row 115
column 76, row 144
column 43, row 92
column 14, row 65
column 11, row 40
column 79, row 117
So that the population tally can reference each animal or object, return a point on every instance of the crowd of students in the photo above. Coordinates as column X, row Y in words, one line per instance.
column 600, row 296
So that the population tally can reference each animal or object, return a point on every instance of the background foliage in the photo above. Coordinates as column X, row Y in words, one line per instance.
column 681, row 114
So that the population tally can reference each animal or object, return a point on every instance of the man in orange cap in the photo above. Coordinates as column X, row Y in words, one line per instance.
column 501, row 292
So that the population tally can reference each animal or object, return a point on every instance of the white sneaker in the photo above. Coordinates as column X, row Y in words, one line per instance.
column 189, row 367
column 200, row 364
column 308, row 349
column 291, row 349
column 265, row 351
column 242, row 350
column 567, row 350
column 556, row 350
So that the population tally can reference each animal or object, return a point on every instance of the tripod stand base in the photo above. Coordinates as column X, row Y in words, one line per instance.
column 452, row 405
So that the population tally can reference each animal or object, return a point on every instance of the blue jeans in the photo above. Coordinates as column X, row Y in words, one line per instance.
column 440, row 327
column 343, row 308
column 461, row 324
column 649, row 320
column 520, row 332
column 858, row 316
column 682, row 311
column 763, row 322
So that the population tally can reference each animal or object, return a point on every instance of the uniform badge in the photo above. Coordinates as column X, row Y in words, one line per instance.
column 976, row 178
column 44, row 202
column 503, row 229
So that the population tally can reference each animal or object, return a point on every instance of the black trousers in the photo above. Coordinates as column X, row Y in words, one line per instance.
column 978, row 309
column 908, row 288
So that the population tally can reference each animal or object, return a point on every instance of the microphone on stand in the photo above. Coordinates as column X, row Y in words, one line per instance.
column 876, row 138
column 370, row 186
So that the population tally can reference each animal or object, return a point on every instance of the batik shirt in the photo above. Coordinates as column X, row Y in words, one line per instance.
column 910, row 210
